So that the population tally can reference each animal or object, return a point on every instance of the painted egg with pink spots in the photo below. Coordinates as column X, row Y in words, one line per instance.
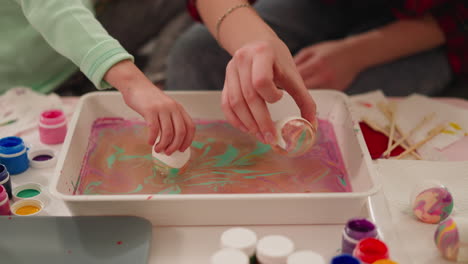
column 433, row 205
column 451, row 238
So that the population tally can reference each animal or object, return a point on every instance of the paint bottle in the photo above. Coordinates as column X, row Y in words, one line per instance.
column 384, row 261
column 274, row 249
column 345, row 259
column 242, row 239
column 13, row 155
column 305, row 257
column 52, row 127
column 27, row 207
column 4, row 202
column 5, row 180
column 356, row 229
column 229, row 256
column 369, row 250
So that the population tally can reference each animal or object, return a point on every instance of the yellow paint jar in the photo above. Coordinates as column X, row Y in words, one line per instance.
column 27, row 207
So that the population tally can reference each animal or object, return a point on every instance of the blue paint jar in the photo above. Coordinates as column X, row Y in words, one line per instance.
column 5, row 180
column 13, row 154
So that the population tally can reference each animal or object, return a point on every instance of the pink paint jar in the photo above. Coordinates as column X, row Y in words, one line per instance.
column 4, row 202
column 52, row 127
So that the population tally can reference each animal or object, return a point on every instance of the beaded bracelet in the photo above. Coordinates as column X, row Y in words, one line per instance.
column 228, row 12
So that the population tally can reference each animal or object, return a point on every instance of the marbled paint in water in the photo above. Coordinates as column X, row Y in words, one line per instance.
column 224, row 160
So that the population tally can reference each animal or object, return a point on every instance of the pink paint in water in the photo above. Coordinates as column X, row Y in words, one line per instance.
column 224, row 160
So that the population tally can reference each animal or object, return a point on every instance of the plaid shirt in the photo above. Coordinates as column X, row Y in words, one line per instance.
column 452, row 16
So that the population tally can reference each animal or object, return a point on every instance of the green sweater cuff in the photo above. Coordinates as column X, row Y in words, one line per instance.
column 100, row 59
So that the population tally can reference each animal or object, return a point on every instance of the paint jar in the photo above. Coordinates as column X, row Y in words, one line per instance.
column 28, row 207
column 384, row 261
column 5, row 180
column 431, row 202
column 345, row 259
column 305, row 257
column 28, row 191
column 274, row 249
column 4, row 202
column 42, row 158
column 451, row 238
column 13, row 155
column 52, row 127
column 242, row 239
column 229, row 256
column 356, row 229
column 369, row 250
column 296, row 136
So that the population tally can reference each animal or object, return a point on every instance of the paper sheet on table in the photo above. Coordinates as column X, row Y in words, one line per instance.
column 413, row 109
column 365, row 106
column 21, row 108
column 398, row 179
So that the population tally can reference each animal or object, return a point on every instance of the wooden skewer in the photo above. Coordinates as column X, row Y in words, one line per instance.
column 434, row 132
column 392, row 113
column 383, row 107
column 377, row 128
column 416, row 128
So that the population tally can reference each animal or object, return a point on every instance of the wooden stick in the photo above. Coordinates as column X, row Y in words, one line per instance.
column 416, row 128
column 383, row 107
column 434, row 132
column 377, row 128
column 392, row 112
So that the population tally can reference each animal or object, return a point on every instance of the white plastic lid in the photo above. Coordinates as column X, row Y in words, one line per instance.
column 240, row 238
column 229, row 256
column 305, row 257
column 274, row 249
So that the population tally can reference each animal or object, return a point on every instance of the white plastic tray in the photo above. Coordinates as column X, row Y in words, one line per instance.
column 220, row 209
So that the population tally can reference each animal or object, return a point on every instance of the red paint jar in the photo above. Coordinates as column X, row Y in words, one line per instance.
column 370, row 250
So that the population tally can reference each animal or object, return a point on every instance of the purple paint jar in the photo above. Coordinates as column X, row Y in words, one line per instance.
column 355, row 230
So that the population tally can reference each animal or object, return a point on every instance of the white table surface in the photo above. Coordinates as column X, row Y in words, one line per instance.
column 195, row 244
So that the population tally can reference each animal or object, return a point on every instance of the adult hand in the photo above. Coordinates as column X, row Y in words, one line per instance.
column 252, row 79
column 328, row 65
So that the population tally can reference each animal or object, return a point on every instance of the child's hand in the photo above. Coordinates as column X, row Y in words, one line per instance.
column 252, row 79
column 328, row 65
column 165, row 117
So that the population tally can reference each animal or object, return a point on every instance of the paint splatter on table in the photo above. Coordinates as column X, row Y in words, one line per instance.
column 224, row 160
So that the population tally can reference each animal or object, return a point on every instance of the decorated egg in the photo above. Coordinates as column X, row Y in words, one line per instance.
column 296, row 136
column 451, row 238
column 176, row 163
column 432, row 202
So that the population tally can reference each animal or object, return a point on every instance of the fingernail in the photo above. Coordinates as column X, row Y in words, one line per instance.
column 269, row 138
column 244, row 129
column 260, row 137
